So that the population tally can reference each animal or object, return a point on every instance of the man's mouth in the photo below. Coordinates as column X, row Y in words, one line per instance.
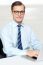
column 19, row 17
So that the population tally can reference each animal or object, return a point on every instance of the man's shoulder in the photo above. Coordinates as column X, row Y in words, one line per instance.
column 27, row 26
column 7, row 26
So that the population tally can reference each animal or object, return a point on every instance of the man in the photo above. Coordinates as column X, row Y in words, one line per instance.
column 18, row 38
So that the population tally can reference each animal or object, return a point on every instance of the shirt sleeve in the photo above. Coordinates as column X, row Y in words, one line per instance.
column 35, row 43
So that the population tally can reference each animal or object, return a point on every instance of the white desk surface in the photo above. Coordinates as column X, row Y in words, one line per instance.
column 18, row 60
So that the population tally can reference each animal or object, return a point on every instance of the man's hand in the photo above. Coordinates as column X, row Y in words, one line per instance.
column 32, row 53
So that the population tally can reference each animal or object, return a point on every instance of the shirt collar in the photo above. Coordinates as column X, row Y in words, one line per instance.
column 15, row 24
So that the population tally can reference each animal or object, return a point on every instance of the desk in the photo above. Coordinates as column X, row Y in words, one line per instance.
column 18, row 60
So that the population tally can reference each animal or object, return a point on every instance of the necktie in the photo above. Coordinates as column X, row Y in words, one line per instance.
column 19, row 38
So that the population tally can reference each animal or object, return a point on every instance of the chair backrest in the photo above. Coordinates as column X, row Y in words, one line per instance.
column 2, row 54
column 1, row 46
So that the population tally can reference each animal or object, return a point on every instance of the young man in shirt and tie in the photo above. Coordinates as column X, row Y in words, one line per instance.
column 17, row 37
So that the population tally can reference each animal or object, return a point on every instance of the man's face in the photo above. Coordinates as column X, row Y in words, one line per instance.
column 18, row 13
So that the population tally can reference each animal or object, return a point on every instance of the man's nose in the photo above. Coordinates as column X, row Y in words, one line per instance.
column 19, row 13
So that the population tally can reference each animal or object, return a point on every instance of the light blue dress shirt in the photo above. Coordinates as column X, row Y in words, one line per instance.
column 9, row 38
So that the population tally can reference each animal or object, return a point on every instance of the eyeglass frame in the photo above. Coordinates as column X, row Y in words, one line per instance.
column 17, row 12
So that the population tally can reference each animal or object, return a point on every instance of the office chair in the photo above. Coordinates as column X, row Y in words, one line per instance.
column 2, row 54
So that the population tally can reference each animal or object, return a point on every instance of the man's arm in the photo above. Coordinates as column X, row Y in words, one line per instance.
column 35, row 45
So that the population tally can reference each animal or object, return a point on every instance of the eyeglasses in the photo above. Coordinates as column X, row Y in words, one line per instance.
column 17, row 12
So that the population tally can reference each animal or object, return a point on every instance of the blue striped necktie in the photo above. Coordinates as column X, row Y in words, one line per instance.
column 19, row 43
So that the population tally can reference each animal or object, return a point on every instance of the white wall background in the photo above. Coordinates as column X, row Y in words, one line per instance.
column 8, row 2
column 33, row 16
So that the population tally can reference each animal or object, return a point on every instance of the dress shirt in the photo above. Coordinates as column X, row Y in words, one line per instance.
column 9, row 38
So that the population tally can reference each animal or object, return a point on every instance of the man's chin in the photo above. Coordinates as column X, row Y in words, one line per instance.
column 19, row 21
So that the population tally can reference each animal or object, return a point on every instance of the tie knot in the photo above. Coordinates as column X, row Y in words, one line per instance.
column 19, row 26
